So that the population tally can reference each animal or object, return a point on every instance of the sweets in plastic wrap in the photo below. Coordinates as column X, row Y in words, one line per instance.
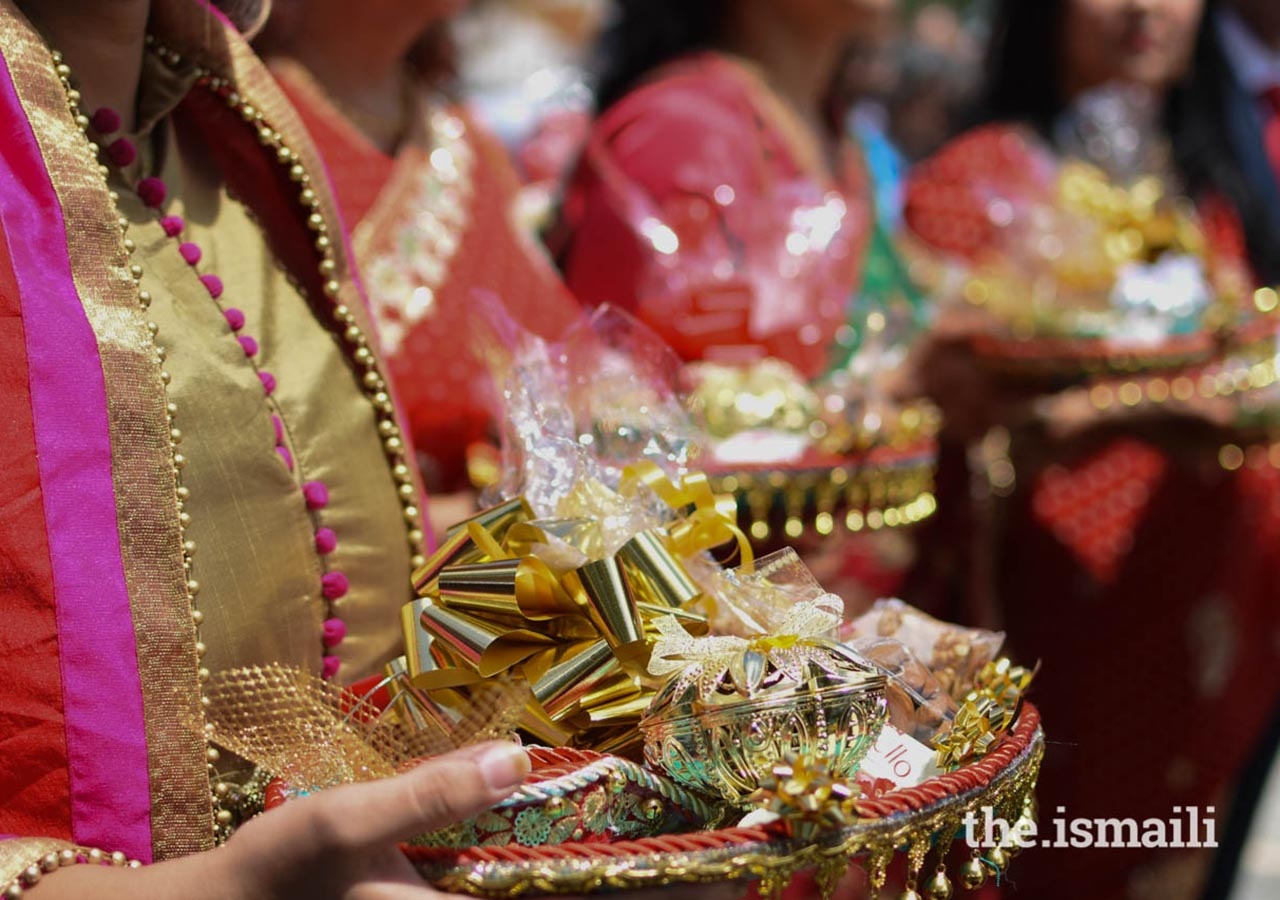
column 919, row 705
column 953, row 653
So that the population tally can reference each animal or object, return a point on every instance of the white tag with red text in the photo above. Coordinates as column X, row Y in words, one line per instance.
column 900, row 758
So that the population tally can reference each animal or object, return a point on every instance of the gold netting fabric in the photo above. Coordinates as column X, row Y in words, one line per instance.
column 313, row 734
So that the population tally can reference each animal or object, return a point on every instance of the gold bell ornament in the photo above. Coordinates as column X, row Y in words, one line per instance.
column 939, row 886
column 972, row 874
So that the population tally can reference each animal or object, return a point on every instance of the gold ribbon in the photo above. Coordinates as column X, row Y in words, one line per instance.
column 713, row 520
column 500, row 597
column 506, row 587
column 986, row 715
column 803, row 792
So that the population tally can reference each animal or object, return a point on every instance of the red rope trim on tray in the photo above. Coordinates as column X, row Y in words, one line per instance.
column 914, row 455
column 673, row 843
column 1255, row 330
column 971, row 777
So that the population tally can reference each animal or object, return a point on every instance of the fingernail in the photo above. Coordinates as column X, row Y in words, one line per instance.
column 504, row 766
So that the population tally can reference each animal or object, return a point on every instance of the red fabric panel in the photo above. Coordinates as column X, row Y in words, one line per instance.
column 443, row 387
column 674, row 140
column 34, row 783
column 357, row 170
column 945, row 203
column 700, row 150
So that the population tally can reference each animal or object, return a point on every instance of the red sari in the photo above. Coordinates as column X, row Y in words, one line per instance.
column 699, row 206
column 433, row 231
column 1142, row 574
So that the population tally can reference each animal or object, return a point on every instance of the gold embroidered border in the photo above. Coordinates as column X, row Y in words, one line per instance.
column 142, row 462
column 771, row 863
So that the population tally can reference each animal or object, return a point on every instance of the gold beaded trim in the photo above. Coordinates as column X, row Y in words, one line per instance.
column 371, row 380
column 52, row 862
column 1231, row 380
column 869, row 498
column 221, row 818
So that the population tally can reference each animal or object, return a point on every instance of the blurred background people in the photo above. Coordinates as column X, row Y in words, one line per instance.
column 715, row 197
column 1237, row 88
column 866, row 79
column 939, row 62
column 721, row 198
column 524, row 70
column 430, row 199
column 1123, row 556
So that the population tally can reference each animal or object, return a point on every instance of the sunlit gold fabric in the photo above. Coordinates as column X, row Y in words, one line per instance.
column 256, row 558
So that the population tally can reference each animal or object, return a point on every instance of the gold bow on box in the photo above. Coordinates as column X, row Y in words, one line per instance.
column 986, row 714
column 568, row 603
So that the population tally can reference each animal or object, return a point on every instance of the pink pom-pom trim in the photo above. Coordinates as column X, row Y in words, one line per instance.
column 286, row 456
column 268, row 382
column 316, row 493
column 190, row 252
column 278, row 425
column 152, row 191
column 213, row 284
column 329, row 667
column 173, row 225
column 249, row 344
column 334, row 585
column 326, row 541
column 335, row 630
column 121, row 152
column 105, row 121
column 234, row 317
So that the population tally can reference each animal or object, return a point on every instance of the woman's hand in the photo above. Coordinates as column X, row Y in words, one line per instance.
column 338, row 844
column 342, row 843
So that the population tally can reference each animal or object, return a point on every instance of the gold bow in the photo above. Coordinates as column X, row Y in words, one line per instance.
column 713, row 520
column 986, row 715
column 803, row 792
column 498, row 597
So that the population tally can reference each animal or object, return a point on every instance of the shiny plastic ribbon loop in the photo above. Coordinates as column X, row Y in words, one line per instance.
column 713, row 520
column 506, row 587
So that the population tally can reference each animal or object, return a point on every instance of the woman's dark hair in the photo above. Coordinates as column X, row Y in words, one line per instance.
column 645, row 34
column 1022, row 63
column 1196, row 119
column 1023, row 84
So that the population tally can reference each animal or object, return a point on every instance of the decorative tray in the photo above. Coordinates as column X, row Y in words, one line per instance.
column 1074, row 359
column 886, row 486
column 921, row 822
